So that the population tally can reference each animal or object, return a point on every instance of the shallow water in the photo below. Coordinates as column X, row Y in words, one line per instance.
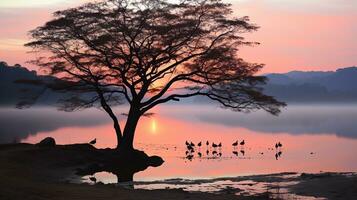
column 314, row 138
column 276, row 186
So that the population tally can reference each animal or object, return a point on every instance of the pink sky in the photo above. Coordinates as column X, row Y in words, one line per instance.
column 294, row 34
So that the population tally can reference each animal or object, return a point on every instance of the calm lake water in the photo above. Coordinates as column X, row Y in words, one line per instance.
column 314, row 138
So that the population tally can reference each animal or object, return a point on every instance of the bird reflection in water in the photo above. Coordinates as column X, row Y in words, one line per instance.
column 242, row 152
column 214, row 150
column 235, row 153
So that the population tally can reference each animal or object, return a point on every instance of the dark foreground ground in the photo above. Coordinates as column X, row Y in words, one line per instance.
column 30, row 172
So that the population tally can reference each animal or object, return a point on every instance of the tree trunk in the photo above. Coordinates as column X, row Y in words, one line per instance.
column 118, row 132
column 116, row 125
column 126, row 144
column 110, row 112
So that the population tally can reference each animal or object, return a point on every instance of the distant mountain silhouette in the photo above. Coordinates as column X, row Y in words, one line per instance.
column 338, row 86
column 19, row 124
column 295, row 86
column 298, row 86
column 13, row 92
column 327, row 119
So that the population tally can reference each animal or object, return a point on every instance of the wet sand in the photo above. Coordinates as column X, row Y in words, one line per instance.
column 30, row 172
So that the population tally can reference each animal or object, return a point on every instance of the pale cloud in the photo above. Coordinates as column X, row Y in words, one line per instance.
column 295, row 34
column 37, row 3
column 305, row 6
column 318, row 5
column 12, row 44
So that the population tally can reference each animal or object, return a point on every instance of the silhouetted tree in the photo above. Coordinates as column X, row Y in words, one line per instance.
column 149, row 52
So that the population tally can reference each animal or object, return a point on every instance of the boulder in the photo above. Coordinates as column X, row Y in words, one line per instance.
column 47, row 142
column 155, row 161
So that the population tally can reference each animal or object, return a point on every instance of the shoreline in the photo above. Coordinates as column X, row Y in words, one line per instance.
column 27, row 169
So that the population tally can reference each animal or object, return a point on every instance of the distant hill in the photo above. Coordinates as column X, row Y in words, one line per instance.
column 298, row 86
column 338, row 86
column 12, row 92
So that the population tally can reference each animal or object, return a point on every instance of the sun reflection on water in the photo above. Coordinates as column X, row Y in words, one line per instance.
column 153, row 126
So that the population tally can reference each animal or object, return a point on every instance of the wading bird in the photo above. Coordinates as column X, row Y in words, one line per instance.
column 93, row 142
column 235, row 144
column 214, row 145
column 242, row 143
column 192, row 145
column 280, row 145
column 191, row 149
column 93, row 179
column 199, row 144
column 187, row 144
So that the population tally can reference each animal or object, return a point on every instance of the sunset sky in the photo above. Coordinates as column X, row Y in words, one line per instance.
column 294, row 34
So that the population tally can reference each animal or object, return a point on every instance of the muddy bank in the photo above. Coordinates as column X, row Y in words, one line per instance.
column 58, row 162
column 291, row 185
column 328, row 185
column 32, row 172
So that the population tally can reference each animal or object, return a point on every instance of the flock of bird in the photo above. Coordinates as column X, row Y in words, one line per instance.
column 216, row 149
column 191, row 145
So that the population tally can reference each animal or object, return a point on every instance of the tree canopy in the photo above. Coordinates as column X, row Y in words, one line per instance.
column 149, row 52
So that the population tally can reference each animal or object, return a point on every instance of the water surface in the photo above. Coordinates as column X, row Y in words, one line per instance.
column 314, row 138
